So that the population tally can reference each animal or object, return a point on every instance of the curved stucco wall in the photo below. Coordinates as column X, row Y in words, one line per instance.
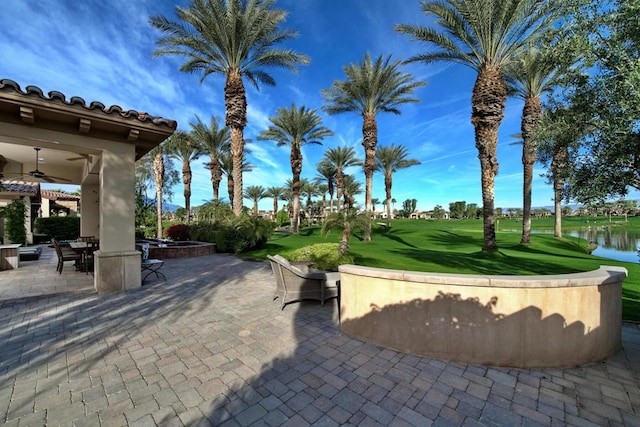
column 520, row 321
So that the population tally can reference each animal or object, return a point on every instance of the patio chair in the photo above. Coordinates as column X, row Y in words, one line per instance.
column 293, row 284
column 65, row 254
column 88, row 256
column 86, row 238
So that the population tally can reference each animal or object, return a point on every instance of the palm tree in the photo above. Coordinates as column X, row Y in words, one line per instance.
column 255, row 193
column 227, row 163
column 485, row 35
column 276, row 193
column 535, row 73
column 341, row 158
column 309, row 189
column 374, row 202
column 295, row 127
column 371, row 88
column 235, row 38
column 389, row 160
column 346, row 221
column 327, row 174
column 323, row 189
column 350, row 188
column 213, row 141
column 181, row 146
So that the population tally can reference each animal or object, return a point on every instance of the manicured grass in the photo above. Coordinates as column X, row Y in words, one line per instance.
column 455, row 247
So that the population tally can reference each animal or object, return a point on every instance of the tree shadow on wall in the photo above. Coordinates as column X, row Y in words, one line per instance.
column 467, row 330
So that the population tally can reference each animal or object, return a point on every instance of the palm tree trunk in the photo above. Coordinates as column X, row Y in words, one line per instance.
column 343, row 248
column 369, row 141
column 158, row 176
column 531, row 115
column 387, row 189
column 186, row 180
column 339, row 189
column 487, row 105
column 235, row 101
column 216, row 177
column 230, row 189
column 558, row 166
column 296, row 169
column 275, row 207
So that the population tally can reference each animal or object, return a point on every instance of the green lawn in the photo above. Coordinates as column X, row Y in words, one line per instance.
column 454, row 247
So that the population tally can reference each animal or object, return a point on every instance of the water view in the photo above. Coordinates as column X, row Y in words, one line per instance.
column 614, row 243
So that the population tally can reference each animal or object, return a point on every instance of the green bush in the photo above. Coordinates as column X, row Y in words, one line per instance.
column 324, row 256
column 59, row 227
column 14, row 214
column 234, row 234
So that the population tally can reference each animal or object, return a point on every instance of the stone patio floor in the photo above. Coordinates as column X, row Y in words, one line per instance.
column 210, row 347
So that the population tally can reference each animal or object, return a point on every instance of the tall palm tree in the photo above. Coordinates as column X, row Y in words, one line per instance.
column 327, row 174
column 164, row 176
column 213, row 141
column 534, row 74
column 371, row 87
column 227, row 164
column 255, row 193
column 182, row 147
column 485, row 35
column 295, row 127
column 341, row 158
column 389, row 160
column 276, row 193
column 235, row 38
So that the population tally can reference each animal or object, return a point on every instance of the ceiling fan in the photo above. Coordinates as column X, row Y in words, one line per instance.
column 81, row 157
column 37, row 173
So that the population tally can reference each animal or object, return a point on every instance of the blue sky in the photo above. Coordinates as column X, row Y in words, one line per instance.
column 102, row 51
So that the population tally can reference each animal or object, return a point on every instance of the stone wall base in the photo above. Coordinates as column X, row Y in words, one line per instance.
column 117, row 271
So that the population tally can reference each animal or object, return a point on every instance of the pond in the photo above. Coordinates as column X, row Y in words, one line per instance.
column 614, row 243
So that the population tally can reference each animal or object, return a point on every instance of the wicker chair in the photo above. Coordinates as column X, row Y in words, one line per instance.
column 294, row 284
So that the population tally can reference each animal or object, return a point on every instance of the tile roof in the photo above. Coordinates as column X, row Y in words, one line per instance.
column 53, row 96
column 22, row 187
column 56, row 195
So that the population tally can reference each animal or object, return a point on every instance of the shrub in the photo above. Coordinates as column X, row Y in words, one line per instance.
column 15, row 213
column 178, row 232
column 282, row 218
column 234, row 234
column 324, row 256
column 59, row 227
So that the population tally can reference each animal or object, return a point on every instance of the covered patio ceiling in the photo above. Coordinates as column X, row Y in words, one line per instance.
column 51, row 116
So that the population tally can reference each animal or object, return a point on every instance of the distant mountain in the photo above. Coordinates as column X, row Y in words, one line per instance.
column 166, row 207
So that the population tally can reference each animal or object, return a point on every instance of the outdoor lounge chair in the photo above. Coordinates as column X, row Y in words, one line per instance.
column 294, row 284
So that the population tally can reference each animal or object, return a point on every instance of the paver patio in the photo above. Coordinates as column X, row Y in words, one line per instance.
column 209, row 347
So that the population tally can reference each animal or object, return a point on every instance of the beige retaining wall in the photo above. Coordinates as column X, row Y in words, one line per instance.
column 520, row 321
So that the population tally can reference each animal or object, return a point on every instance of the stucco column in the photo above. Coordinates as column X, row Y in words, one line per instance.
column 117, row 263
column 90, row 210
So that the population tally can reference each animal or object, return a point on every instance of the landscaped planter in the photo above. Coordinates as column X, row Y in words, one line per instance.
column 520, row 321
